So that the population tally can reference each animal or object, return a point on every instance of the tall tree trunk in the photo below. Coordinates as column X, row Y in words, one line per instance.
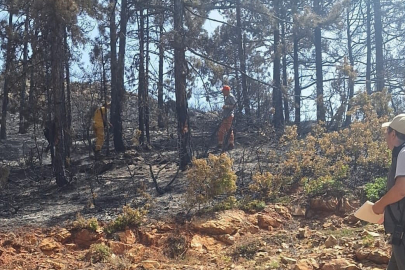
column 160, row 83
column 146, row 92
column 141, row 78
column 104, row 85
column 368, row 65
column 9, row 53
column 117, row 95
column 277, row 92
column 68, row 134
column 238, row 91
column 57, row 75
column 180, row 74
column 297, row 87
column 379, row 58
column 350, row 95
column 23, row 124
column 242, row 60
column 114, row 67
column 285, row 78
column 320, row 106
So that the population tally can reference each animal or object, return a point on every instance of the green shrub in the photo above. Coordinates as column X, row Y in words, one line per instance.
column 334, row 162
column 98, row 253
column 82, row 223
column 376, row 189
column 368, row 240
column 210, row 178
column 129, row 218
column 252, row 206
column 229, row 203
column 265, row 185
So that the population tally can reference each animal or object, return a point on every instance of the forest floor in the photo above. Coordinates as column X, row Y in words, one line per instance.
column 36, row 215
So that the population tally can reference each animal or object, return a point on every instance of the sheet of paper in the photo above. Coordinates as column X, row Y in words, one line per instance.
column 366, row 213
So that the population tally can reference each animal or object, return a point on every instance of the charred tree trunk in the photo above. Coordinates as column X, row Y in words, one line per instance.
column 118, row 93
column 114, row 67
column 180, row 71
column 285, row 78
column 320, row 106
column 141, row 78
column 242, row 60
column 278, row 120
column 379, row 58
column 297, row 87
column 146, row 91
column 368, row 65
column 22, row 128
column 350, row 95
column 104, row 85
column 238, row 90
column 7, row 77
column 57, row 74
column 68, row 134
column 161, row 123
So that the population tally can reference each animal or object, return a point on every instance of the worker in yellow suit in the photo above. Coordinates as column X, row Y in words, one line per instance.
column 99, row 123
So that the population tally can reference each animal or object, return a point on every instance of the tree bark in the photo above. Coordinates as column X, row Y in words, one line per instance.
column 180, row 71
column 368, row 66
column 161, row 123
column 68, row 134
column 114, row 67
column 242, row 60
column 141, row 78
column 146, row 91
column 22, row 128
column 9, row 53
column 350, row 95
column 285, row 79
column 59, row 104
column 320, row 107
column 297, row 87
column 104, row 85
column 379, row 58
column 278, row 120
column 117, row 98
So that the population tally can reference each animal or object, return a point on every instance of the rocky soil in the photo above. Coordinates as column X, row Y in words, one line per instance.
column 271, row 239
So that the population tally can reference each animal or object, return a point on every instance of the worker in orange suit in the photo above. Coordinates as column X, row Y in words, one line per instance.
column 227, row 118
column 99, row 123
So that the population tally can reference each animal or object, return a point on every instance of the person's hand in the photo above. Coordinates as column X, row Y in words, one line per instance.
column 378, row 208
column 224, row 107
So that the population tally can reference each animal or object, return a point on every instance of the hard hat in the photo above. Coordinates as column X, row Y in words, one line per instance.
column 226, row 88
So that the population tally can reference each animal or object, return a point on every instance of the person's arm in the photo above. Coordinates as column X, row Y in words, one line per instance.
column 395, row 194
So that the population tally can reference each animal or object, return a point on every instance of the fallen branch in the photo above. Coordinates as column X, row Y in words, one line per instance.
column 159, row 190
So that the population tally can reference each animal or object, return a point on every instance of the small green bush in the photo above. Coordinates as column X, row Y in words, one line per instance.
column 376, row 189
column 253, row 206
column 210, row 178
column 129, row 218
column 229, row 203
column 368, row 240
column 265, row 185
column 98, row 253
column 82, row 223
